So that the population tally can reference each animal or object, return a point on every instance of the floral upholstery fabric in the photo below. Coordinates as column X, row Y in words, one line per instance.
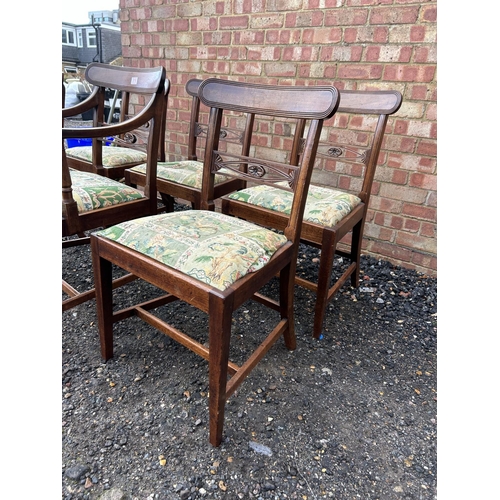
column 112, row 156
column 323, row 206
column 92, row 191
column 212, row 247
column 187, row 172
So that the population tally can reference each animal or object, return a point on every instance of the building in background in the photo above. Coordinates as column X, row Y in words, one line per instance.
column 97, row 41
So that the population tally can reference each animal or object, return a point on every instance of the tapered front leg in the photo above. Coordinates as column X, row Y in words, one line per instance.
column 220, row 315
column 104, row 299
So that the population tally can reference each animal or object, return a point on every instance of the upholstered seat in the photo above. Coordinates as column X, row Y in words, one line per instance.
column 185, row 172
column 324, row 206
column 93, row 191
column 214, row 248
column 112, row 156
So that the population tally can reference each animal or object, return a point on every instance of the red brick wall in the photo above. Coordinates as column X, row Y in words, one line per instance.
column 352, row 44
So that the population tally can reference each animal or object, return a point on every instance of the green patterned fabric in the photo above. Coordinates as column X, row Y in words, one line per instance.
column 323, row 206
column 112, row 156
column 186, row 172
column 91, row 191
column 212, row 247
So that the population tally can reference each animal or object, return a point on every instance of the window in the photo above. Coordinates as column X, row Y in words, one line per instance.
column 91, row 38
column 79, row 38
column 68, row 36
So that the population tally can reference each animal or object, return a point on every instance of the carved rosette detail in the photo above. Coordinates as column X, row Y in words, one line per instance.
column 335, row 152
column 256, row 170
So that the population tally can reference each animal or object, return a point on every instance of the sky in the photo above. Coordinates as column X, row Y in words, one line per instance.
column 76, row 11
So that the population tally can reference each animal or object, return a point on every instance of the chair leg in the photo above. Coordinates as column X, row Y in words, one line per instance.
column 356, row 240
column 287, row 283
column 104, row 300
column 168, row 201
column 324, row 275
column 219, row 340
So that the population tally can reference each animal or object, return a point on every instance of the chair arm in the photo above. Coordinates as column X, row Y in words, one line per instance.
column 89, row 103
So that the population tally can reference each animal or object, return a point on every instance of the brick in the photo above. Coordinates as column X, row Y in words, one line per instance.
column 427, row 54
column 403, row 193
column 391, row 251
column 422, row 92
column 379, row 232
column 190, row 66
column 424, row 263
column 386, row 204
column 189, row 38
column 141, row 13
column 394, row 222
column 366, row 3
column 163, row 11
column 411, row 73
column 417, row 242
column 411, row 225
column 361, row 71
column 264, row 54
column 429, row 13
column 267, row 21
column 233, row 22
column 425, row 164
column 284, row 5
column 202, row 24
column 429, row 230
column 341, row 53
column 346, row 17
column 216, row 67
column 190, row 9
column 423, row 181
column 217, row 38
column 422, row 212
column 246, row 37
column 394, row 15
column 308, row 19
column 367, row 34
column 322, row 36
column 300, row 53
column 249, row 6
column 246, row 68
column 427, row 148
column 419, row 128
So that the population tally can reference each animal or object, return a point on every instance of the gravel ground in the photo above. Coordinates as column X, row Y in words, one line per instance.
column 351, row 416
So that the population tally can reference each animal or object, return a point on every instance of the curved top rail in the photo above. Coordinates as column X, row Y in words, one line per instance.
column 318, row 103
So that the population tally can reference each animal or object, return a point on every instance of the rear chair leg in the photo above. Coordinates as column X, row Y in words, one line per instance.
column 356, row 241
column 104, row 300
column 324, row 274
column 287, row 283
